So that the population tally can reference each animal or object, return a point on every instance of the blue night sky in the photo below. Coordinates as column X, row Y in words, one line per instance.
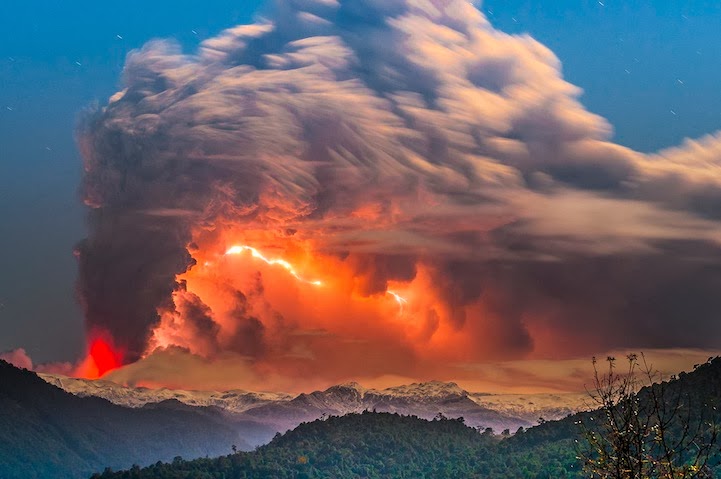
column 650, row 67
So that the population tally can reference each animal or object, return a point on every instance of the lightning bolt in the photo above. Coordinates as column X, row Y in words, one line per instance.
column 399, row 299
column 236, row 250
column 240, row 249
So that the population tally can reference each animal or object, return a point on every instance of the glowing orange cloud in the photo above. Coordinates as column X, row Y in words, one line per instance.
column 286, row 305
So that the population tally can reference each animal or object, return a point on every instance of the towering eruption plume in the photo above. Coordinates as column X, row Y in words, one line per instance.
column 401, row 185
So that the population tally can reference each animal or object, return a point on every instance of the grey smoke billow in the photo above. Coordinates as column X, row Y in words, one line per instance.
column 476, row 156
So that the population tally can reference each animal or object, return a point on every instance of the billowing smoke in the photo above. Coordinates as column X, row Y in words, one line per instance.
column 18, row 358
column 386, row 147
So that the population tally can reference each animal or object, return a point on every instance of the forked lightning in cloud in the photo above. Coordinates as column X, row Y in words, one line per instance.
column 239, row 249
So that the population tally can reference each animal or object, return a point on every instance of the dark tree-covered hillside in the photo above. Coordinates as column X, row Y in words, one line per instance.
column 48, row 433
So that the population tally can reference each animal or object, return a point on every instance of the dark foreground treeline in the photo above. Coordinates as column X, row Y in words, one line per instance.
column 381, row 445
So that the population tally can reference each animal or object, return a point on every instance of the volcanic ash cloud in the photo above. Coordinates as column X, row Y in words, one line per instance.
column 434, row 186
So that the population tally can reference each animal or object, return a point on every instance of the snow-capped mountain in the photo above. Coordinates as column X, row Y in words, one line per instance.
column 532, row 407
column 236, row 401
column 280, row 412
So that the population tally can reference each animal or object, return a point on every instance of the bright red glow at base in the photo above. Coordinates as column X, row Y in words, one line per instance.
column 102, row 358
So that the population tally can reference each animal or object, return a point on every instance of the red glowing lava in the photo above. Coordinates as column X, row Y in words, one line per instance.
column 102, row 358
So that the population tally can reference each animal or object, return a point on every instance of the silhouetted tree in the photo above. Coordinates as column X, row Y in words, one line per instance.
column 654, row 432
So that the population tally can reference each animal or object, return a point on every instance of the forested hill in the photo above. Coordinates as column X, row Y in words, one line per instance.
column 48, row 433
column 375, row 445
column 381, row 445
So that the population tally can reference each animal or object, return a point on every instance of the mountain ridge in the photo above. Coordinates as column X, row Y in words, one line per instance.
column 283, row 411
